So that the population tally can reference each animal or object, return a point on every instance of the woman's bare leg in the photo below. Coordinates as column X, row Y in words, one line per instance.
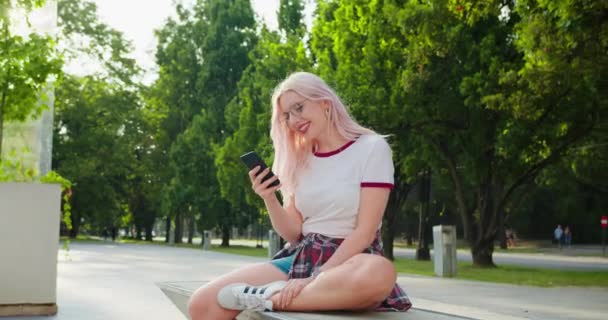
column 203, row 304
column 362, row 282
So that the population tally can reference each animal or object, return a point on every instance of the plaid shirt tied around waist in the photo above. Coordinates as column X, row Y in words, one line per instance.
column 315, row 249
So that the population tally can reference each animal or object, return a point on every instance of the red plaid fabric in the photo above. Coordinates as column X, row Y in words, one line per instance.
column 315, row 249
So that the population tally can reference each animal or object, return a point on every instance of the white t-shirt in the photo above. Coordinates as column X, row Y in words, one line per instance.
column 328, row 189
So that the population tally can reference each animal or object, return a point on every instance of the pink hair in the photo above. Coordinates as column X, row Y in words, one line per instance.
column 291, row 149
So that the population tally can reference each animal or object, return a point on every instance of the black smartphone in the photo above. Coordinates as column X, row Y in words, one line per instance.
column 252, row 160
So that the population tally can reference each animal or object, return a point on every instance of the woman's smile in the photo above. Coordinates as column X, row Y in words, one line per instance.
column 303, row 127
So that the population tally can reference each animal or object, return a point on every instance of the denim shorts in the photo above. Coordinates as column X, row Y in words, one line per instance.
column 284, row 264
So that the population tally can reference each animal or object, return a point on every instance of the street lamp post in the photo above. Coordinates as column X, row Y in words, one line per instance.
column 604, row 224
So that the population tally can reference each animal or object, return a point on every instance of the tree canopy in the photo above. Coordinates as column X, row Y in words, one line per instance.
column 495, row 110
column 27, row 63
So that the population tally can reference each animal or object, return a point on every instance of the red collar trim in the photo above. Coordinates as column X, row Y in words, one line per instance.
column 331, row 153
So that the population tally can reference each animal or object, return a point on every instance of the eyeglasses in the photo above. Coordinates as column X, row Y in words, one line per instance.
column 295, row 110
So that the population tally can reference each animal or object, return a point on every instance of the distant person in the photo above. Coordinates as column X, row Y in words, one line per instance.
column 558, row 234
column 511, row 237
column 567, row 236
column 113, row 233
column 105, row 234
column 336, row 177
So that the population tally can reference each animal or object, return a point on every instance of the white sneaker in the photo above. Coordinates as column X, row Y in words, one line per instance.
column 241, row 296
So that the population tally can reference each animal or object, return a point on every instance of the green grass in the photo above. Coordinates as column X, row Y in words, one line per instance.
column 424, row 268
column 510, row 274
column 522, row 247
column 80, row 238
column 242, row 250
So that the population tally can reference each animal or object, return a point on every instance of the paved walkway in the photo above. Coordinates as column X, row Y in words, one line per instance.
column 117, row 281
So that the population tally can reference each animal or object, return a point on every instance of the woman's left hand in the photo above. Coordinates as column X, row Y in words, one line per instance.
column 291, row 290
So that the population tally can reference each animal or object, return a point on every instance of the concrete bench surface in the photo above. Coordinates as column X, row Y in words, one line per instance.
column 180, row 291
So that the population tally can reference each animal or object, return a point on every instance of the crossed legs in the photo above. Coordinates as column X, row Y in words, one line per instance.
column 362, row 282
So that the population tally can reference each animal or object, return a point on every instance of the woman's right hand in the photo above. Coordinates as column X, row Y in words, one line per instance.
column 262, row 189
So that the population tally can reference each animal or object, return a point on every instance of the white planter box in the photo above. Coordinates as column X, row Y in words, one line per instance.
column 29, row 240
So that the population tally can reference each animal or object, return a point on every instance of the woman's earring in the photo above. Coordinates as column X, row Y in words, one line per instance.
column 327, row 113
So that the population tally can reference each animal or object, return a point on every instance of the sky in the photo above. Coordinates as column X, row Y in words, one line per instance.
column 138, row 24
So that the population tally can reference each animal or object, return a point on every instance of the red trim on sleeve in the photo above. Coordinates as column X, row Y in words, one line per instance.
column 377, row 185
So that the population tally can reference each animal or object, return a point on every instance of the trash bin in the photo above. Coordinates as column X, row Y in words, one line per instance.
column 444, row 250
column 206, row 239
column 274, row 243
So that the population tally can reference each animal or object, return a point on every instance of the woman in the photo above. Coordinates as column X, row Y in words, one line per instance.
column 336, row 177
column 567, row 237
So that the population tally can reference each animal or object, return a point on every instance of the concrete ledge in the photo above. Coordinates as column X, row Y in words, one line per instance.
column 28, row 309
column 180, row 292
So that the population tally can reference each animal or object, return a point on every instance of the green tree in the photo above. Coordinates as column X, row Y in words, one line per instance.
column 84, row 37
column 144, row 183
column 175, row 98
column 178, row 56
column 99, row 125
column 361, row 53
column 27, row 64
column 562, row 194
column 291, row 17
column 229, row 36
column 248, row 114
column 92, row 146
column 493, row 109
column 565, row 45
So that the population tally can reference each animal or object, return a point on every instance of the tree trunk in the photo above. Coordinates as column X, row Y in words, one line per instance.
column 179, row 228
column 489, row 208
column 149, row 219
column 225, row 236
column 190, row 229
column 482, row 253
column 459, row 192
column 167, row 229
column 502, row 234
column 75, row 225
column 422, row 252
column 388, row 236
column 149, row 228
column 392, row 213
